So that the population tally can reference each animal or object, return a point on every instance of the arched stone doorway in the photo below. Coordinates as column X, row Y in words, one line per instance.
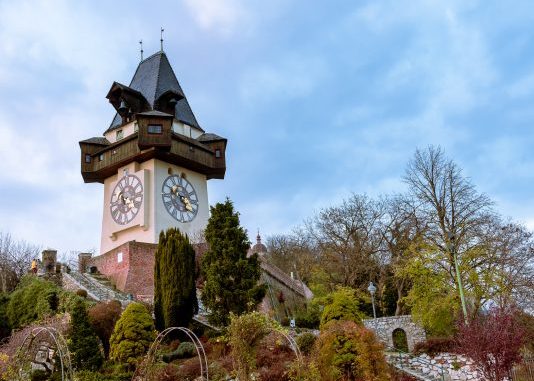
column 400, row 340
column 385, row 326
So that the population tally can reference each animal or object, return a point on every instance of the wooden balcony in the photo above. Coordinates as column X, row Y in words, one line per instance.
column 100, row 162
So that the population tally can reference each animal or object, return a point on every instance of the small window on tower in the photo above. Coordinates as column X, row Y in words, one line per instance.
column 136, row 127
column 155, row 128
column 119, row 257
column 101, row 157
column 120, row 135
column 217, row 153
column 87, row 158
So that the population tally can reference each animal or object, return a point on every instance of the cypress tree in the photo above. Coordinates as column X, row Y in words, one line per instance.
column 175, row 300
column 231, row 279
column 83, row 344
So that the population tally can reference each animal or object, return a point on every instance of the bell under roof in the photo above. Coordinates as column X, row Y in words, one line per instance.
column 154, row 77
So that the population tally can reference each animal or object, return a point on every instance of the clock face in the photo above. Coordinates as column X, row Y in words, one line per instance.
column 179, row 198
column 126, row 199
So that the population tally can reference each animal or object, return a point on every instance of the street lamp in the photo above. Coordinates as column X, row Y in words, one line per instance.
column 452, row 250
column 372, row 290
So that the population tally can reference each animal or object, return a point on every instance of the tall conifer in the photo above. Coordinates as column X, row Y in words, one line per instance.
column 175, row 300
column 231, row 279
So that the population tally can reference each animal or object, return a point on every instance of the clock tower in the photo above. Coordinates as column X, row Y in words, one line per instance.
column 154, row 161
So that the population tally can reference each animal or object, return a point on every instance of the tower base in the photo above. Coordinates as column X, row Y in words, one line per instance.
column 130, row 267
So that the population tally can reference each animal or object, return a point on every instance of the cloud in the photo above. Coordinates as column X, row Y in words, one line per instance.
column 223, row 16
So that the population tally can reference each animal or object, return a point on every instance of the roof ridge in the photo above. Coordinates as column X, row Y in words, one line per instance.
column 158, row 71
column 161, row 52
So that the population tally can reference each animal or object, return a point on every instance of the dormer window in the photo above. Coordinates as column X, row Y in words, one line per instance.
column 217, row 153
column 119, row 135
column 155, row 129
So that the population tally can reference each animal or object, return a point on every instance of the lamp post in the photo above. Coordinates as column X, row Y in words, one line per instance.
column 452, row 249
column 372, row 290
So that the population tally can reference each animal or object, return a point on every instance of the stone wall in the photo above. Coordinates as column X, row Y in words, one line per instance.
column 384, row 327
column 458, row 367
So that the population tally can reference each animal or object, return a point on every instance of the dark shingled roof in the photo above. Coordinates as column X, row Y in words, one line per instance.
column 98, row 141
column 154, row 77
column 209, row 137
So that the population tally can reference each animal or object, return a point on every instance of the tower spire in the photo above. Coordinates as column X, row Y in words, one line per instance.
column 141, row 44
column 161, row 38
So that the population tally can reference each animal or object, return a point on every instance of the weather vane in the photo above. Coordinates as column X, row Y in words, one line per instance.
column 141, row 44
column 161, row 38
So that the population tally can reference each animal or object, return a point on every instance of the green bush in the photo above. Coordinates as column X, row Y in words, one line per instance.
column 185, row 350
column 84, row 345
column 67, row 301
column 305, row 342
column 86, row 375
column 342, row 304
column 132, row 336
column 81, row 293
column 5, row 329
column 39, row 375
column 311, row 316
column 33, row 300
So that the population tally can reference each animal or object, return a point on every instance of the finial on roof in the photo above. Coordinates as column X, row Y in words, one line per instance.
column 258, row 237
column 141, row 44
column 161, row 38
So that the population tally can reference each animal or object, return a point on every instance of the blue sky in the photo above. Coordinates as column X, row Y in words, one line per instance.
column 317, row 99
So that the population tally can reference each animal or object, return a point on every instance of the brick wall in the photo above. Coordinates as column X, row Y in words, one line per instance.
column 134, row 273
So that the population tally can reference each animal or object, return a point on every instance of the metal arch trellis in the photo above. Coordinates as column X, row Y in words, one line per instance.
column 60, row 345
column 145, row 367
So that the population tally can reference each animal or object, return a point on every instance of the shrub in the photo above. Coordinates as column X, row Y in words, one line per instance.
column 435, row 345
column 345, row 349
column 175, row 298
column 103, row 317
column 33, row 300
column 132, row 336
column 185, row 350
column 5, row 329
column 67, row 301
column 83, row 344
column 493, row 341
column 245, row 332
column 306, row 341
column 86, row 375
column 306, row 371
column 342, row 304
column 81, row 293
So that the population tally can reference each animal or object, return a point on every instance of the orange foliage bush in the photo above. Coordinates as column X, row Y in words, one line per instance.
column 346, row 351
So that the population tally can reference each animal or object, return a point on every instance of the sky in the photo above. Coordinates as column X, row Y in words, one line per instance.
column 318, row 100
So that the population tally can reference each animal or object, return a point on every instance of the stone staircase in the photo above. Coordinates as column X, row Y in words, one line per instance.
column 98, row 287
column 416, row 367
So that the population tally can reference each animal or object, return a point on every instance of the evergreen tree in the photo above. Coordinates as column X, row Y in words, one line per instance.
column 175, row 298
column 132, row 336
column 231, row 279
column 83, row 344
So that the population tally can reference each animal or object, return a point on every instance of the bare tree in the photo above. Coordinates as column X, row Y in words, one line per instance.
column 15, row 260
column 293, row 253
column 349, row 240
